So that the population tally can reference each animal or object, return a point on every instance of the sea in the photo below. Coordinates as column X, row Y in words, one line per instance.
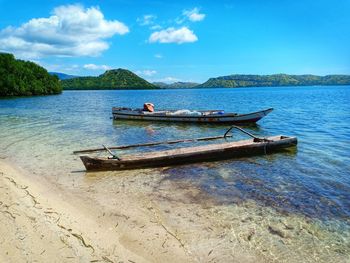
column 306, row 189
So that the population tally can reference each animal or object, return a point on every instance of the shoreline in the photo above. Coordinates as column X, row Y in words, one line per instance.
column 44, row 222
column 41, row 226
column 142, row 216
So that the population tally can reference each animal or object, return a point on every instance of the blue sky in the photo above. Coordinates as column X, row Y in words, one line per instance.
column 180, row 40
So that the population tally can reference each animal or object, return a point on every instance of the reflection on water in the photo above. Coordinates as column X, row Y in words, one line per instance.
column 180, row 125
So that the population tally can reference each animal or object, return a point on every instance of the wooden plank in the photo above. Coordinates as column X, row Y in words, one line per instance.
column 192, row 150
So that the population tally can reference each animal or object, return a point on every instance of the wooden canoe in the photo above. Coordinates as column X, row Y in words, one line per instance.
column 211, row 152
column 209, row 116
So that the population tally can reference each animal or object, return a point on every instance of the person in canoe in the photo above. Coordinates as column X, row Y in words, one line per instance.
column 148, row 107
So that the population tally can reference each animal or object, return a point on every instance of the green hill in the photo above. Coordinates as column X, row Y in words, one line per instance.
column 176, row 85
column 111, row 79
column 24, row 78
column 234, row 81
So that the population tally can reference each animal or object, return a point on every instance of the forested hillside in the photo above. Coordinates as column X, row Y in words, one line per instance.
column 25, row 78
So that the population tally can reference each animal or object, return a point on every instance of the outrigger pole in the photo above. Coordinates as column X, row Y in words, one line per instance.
column 256, row 139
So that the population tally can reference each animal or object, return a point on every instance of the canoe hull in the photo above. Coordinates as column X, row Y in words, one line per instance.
column 190, row 154
column 231, row 118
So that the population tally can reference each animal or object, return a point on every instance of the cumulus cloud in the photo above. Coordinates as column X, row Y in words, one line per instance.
column 71, row 30
column 96, row 67
column 146, row 72
column 172, row 35
column 193, row 15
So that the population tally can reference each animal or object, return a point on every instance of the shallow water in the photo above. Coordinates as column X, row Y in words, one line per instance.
column 311, row 182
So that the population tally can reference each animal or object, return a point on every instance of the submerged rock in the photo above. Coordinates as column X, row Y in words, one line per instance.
column 275, row 230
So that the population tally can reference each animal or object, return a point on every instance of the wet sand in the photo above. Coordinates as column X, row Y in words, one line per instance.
column 41, row 223
column 142, row 216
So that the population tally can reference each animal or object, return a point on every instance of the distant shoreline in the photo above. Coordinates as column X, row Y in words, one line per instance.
column 248, row 87
column 17, row 97
column 124, row 79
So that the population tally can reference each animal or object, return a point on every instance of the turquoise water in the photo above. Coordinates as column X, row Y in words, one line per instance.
column 312, row 180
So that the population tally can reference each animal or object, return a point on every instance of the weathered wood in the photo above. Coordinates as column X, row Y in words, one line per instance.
column 151, row 144
column 110, row 152
column 256, row 139
column 190, row 154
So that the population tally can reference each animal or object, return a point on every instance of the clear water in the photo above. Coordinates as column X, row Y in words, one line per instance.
column 312, row 181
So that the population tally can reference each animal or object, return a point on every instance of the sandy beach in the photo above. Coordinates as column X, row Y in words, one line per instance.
column 39, row 224
column 141, row 217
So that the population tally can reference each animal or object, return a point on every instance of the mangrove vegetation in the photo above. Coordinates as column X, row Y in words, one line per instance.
column 25, row 78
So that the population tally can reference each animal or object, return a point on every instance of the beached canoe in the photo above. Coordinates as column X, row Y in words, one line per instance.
column 208, row 116
column 210, row 152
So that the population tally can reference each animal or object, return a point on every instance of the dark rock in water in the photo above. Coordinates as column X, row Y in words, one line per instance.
column 251, row 234
column 247, row 219
column 277, row 231
column 286, row 225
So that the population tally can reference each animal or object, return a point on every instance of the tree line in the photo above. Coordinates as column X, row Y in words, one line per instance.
column 25, row 78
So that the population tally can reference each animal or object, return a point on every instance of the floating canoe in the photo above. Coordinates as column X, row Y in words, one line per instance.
column 211, row 152
column 209, row 116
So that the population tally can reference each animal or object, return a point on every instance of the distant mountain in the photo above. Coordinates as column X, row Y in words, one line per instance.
column 176, row 85
column 62, row 76
column 25, row 78
column 111, row 79
column 234, row 81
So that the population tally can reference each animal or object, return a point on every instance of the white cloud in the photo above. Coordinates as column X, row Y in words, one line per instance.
column 158, row 56
column 146, row 72
column 168, row 80
column 149, row 20
column 194, row 15
column 172, row 35
column 155, row 27
column 96, row 67
column 180, row 20
column 146, row 20
column 71, row 30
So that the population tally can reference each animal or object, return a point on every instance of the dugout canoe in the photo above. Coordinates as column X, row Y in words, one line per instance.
column 197, row 116
column 203, row 153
